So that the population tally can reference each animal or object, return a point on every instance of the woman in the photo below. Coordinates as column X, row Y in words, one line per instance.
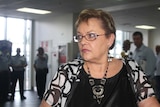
column 97, row 80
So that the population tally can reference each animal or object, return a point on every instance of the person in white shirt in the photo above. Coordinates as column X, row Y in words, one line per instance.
column 144, row 56
column 41, row 68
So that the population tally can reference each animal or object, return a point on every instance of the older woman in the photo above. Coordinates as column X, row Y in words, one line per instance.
column 98, row 80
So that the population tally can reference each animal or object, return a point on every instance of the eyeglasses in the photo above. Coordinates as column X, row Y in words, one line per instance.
column 88, row 36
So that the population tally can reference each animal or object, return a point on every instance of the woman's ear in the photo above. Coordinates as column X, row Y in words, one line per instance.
column 111, row 40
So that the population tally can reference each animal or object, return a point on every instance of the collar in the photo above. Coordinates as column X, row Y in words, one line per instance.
column 141, row 48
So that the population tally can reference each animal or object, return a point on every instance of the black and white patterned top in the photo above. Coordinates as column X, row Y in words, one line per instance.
column 60, row 87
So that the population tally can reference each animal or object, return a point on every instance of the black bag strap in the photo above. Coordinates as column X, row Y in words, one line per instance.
column 74, row 86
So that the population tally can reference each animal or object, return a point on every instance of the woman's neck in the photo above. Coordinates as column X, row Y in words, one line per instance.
column 96, row 70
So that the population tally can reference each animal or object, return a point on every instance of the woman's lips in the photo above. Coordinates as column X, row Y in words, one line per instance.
column 84, row 50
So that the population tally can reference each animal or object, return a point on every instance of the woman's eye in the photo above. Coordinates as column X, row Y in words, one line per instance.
column 92, row 35
column 79, row 36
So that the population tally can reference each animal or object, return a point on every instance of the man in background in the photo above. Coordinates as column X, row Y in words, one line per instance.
column 18, row 64
column 144, row 56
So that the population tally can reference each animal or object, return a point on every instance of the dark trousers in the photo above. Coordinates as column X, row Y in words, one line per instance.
column 4, row 85
column 157, row 87
column 41, row 81
column 18, row 75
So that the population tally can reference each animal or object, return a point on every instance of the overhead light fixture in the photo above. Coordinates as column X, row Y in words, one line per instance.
column 32, row 10
column 145, row 27
column 158, row 8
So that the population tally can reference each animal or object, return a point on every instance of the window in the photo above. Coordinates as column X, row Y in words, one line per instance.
column 120, row 37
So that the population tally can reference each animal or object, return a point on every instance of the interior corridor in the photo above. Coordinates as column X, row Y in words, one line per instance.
column 31, row 100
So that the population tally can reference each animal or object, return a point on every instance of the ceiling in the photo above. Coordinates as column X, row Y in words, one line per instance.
column 126, row 13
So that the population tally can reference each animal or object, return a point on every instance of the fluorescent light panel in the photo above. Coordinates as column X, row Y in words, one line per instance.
column 35, row 11
column 145, row 27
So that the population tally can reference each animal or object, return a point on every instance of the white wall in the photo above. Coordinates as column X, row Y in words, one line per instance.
column 154, row 38
column 57, row 30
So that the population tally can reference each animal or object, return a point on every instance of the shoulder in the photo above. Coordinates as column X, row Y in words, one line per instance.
column 142, row 86
column 71, row 66
column 122, row 61
column 115, row 65
column 146, row 48
column 13, row 57
column 45, row 55
column 127, row 61
column 131, row 62
column 158, row 56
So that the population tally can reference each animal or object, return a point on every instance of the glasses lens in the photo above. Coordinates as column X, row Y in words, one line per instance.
column 91, row 36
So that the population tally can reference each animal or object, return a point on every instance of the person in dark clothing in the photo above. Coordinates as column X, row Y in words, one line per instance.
column 41, row 69
column 126, row 49
column 4, row 74
column 157, row 72
column 18, row 64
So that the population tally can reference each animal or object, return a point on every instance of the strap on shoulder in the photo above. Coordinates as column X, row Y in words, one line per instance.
column 74, row 86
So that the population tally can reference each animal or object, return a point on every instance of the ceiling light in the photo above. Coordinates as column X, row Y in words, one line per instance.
column 158, row 8
column 35, row 11
column 145, row 27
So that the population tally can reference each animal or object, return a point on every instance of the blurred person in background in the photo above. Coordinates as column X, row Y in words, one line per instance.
column 41, row 68
column 4, row 74
column 126, row 49
column 157, row 72
column 144, row 56
column 18, row 64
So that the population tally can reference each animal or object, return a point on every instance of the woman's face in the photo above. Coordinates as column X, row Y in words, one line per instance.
column 97, row 49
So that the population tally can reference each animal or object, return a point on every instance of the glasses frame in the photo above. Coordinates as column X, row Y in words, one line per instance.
column 86, row 36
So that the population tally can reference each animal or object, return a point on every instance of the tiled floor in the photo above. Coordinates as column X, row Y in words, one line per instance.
column 31, row 101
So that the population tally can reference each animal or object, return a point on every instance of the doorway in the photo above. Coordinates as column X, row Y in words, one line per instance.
column 18, row 31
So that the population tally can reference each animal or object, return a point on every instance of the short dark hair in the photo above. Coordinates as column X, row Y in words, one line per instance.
column 40, row 49
column 106, row 20
column 138, row 33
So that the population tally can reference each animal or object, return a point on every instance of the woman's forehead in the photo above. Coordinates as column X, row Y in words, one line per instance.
column 91, row 24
